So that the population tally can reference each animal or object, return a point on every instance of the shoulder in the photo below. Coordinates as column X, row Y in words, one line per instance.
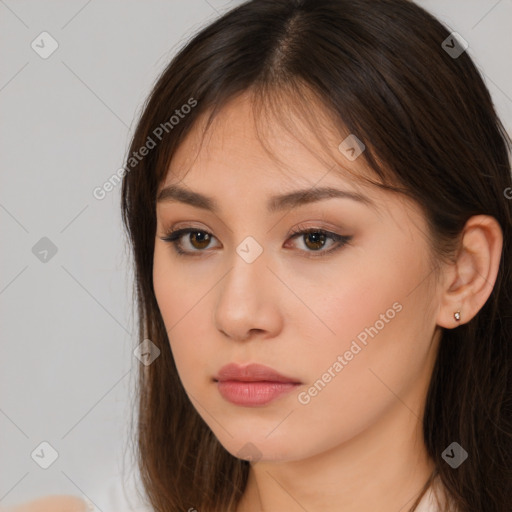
column 53, row 503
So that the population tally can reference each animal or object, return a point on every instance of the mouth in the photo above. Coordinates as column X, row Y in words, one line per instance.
column 252, row 385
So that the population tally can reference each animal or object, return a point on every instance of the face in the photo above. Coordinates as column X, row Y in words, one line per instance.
column 337, row 294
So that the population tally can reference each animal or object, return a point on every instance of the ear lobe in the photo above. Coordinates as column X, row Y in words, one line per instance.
column 470, row 280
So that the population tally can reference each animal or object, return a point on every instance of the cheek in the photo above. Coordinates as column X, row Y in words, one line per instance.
column 382, row 320
column 365, row 291
column 179, row 288
column 183, row 302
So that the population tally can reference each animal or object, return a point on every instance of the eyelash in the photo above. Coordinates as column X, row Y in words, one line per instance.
column 173, row 237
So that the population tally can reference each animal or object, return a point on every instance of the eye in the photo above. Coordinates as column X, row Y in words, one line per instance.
column 197, row 238
column 314, row 240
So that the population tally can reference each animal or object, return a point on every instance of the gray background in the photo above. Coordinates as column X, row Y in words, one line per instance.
column 68, row 330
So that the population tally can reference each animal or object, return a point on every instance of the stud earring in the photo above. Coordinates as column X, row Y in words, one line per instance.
column 456, row 315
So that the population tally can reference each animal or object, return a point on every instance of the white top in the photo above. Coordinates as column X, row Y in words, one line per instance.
column 429, row 503
column 117, row 499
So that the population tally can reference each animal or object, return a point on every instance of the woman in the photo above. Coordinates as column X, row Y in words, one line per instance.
column 316, row 197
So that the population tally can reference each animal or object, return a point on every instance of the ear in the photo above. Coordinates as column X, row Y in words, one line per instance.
column 469, row 281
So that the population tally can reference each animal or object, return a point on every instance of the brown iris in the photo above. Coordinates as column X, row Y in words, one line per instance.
column 201, row 238
column 317, row 240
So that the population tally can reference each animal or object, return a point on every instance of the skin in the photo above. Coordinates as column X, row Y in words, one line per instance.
column 51, row 504
column 357, row 445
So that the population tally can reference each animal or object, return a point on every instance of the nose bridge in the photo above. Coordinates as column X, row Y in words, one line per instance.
column 245, row 300
column 248, row 266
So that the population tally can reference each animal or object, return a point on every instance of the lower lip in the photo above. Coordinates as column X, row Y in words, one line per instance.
column 251, row 394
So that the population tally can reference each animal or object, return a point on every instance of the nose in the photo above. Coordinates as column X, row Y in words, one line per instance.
column 248, row 302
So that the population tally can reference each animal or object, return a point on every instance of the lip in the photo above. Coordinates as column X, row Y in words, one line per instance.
column 252, row 373
column 252, row 385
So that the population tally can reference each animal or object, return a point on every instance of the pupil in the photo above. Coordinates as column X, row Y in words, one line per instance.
column 316, row 238
column 203, row 238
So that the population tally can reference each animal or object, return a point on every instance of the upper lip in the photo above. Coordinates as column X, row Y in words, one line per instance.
column 251, row 373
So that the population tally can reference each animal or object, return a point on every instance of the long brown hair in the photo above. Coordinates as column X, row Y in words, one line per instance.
column 380, row 69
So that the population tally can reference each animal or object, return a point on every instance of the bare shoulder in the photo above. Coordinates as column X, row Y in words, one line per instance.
column 53, row 503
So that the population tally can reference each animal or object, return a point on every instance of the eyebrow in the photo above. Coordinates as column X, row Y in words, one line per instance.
column 276, row 203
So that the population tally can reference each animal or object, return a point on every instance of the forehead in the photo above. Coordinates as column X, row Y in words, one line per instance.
column 244, row 144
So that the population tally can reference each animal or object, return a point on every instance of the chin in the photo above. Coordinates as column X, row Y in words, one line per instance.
column 257, row 448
